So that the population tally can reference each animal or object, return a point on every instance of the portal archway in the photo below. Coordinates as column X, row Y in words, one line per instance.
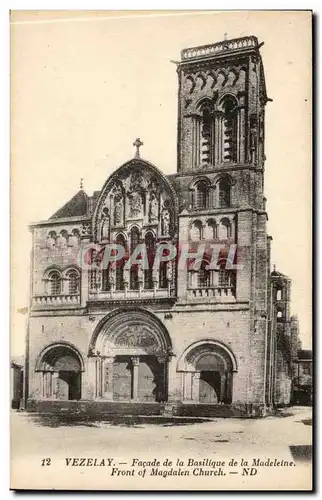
column 60, row 366
column 207, row 370
column 131, row 348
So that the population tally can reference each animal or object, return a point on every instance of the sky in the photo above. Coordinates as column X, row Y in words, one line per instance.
column 84, row 85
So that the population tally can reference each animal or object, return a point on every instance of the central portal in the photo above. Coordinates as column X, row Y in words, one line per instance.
column 138, row 378
column 132, row 357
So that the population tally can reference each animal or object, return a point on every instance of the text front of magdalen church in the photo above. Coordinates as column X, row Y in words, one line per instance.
column 200, row 327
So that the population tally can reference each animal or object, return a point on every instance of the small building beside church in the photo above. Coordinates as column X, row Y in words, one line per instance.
column 303, row 378
column 201, row 340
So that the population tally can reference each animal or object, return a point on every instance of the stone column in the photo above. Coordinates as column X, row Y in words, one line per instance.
column 44, row 391
column 90, row 382
column 84, row 287
column 195, row 387
column 135, row 377
column 163, row 361
column 187, row 389
column 217, row 139
column 98, row 372
column 108, row 378
column 54, row 377
column 223, row 388
column 48, row 385
column 242, row 133
column 174, row 389
column 229, row 386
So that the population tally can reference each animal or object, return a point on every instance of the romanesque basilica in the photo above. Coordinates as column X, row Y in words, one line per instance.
column 206, row 340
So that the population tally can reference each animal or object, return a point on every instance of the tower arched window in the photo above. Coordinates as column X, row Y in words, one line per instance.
column 279, row 316
column 196, row 230
column 55, row 283
column 201, row 195
column 203, row 278
column 226, row 278
column 224, row 229
column 203, row 135
column 206, row 135
column 229, row 130
column 73, row 282
column 212, row 229
column 223, row 188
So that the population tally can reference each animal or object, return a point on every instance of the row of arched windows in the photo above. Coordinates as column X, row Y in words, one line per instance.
column 219, row 278
column 205, row 196
column 134, row 278
column 63, row 238
column 58, row 283
column 215, row 132
column 212, row 231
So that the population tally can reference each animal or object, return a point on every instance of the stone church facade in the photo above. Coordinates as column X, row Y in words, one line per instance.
column 201, row 341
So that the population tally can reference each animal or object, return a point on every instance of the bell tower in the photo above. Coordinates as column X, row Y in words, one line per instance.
column 222, row 96
column 220, row 184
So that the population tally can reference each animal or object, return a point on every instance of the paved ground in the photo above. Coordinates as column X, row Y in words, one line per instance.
column 287, row 437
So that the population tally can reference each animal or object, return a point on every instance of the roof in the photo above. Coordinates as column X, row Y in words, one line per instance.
column 304, row 354
column 76, row 206
column 278, row 274
column 234, row 45
column 17, row 361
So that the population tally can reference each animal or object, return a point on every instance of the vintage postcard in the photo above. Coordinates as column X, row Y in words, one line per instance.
column 161, row 244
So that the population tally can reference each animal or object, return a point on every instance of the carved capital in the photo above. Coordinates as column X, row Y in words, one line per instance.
column 162, row 359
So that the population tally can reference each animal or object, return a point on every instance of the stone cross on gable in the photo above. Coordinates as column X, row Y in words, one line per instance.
column 137, row 143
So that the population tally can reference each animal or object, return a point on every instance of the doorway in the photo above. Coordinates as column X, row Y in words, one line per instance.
column 209, row 387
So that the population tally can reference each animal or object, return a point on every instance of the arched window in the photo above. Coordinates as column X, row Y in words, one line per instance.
column 74, row 239
column 229, row 109
column 196, row 230
column 51, row 239
column 224, row 229
column 106, row 283
column 163, row 282
column 203, row 278
column 64, row 238
column 223, row 188
column 226, row 278
column 150, row 249
column 134, row 276
column 119, row 271
column 135, row 238
column 212, row 229
column 201, row 195
column 206, row 135
column 279, row 294
column 54, row 283
column 203, row 135
column 279, row 316
column 73, row 282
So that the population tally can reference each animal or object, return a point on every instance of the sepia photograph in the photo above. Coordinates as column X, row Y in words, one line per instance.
column 161, row 244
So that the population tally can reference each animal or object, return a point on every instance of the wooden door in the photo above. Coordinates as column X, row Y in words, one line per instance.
column 147, row 390
column 122, row 380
